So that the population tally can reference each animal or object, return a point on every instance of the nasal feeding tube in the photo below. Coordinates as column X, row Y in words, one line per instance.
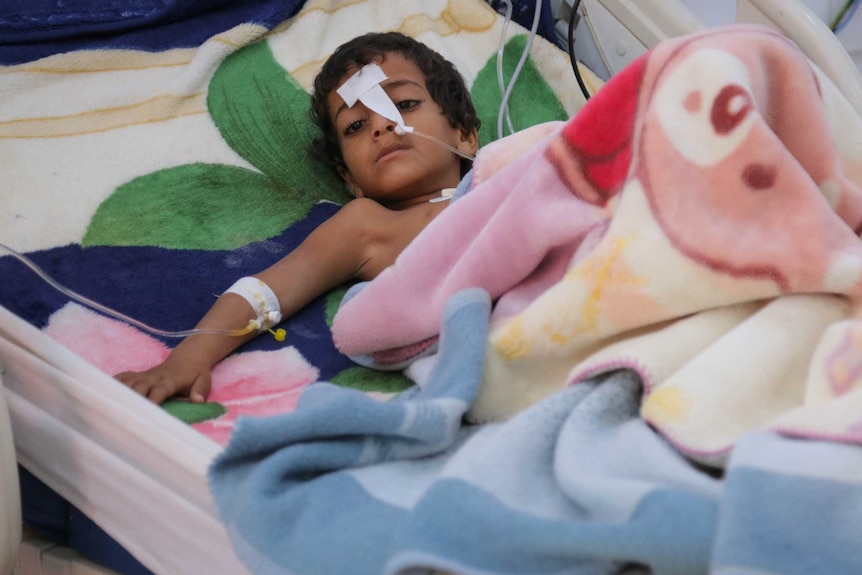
column 364, row 86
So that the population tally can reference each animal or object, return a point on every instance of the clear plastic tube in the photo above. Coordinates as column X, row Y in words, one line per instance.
column 117, row 315
column 500, row 81
column 401, row 130
column 504, row 106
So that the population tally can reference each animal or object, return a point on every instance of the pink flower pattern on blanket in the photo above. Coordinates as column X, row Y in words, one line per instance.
column 256, row 383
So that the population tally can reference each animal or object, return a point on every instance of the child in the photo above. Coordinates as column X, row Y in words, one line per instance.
column 392, row 177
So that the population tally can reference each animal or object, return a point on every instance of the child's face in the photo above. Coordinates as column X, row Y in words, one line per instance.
column 398, row 170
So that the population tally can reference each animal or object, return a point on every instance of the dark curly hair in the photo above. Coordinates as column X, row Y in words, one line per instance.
column 443, row 81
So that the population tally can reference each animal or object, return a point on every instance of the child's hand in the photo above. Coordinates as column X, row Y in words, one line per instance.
column 169, row 379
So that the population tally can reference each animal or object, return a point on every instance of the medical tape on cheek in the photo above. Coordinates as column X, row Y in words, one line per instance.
column 364, row 86
column 262, row 300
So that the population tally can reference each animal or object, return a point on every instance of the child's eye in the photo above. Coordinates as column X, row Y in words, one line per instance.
column 406, row 105
column 353, row 127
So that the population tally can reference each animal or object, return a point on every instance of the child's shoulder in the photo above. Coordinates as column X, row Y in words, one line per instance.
column 364, row 214
column 380, row 224
column 364, row 206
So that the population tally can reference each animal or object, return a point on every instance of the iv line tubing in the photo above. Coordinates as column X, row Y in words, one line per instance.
column 121, row 316
column 594, row 34
column 500, row 81
column 438, row 142
column 537, row 14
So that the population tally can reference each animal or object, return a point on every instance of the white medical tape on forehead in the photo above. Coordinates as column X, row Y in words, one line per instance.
column 364, row 86
column 262, row 300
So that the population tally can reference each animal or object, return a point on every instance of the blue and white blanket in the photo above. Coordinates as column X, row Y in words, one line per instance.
column 578, row 483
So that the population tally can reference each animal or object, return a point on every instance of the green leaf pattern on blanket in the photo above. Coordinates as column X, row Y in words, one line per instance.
column 531, row 102
column 365, row 379
column 196, row 206
column 189, row 412
column 262, row 113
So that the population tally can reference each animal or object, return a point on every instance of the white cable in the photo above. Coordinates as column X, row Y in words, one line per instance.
column 504, row 105
column 596, row 41
column 110, row 312
column 500, row 81
column 401, row 131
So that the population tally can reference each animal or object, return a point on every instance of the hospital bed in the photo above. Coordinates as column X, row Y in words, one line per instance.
column 135, row 470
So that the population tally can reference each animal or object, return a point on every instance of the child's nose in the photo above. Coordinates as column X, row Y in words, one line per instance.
column 382, row 124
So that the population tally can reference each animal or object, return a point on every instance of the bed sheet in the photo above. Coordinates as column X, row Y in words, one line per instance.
column 149, row 178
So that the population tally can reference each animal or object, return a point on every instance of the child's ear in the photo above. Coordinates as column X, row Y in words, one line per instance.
column 469, row 142
column 351, row 183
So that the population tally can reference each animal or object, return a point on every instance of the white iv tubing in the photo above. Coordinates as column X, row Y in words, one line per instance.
column 110, row 312
column 402, row 130
column 500, row 81
column 504, row 106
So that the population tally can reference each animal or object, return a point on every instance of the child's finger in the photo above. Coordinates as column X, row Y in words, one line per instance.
column 158, row 390
column 200, row 388
column 127, row 377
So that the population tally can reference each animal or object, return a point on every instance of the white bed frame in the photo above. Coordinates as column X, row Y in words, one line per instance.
column 10, row 505
column 141, row 474
column 652, row 21
column 136, row 471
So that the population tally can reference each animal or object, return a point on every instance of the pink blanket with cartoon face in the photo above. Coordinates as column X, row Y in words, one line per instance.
column 698, row 221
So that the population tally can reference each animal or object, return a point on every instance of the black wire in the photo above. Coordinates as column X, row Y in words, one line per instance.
column 574, row 62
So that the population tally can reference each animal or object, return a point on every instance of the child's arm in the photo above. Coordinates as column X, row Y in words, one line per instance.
column 335, row 252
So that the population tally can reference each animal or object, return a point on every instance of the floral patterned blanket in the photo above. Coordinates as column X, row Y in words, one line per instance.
column 150, row 176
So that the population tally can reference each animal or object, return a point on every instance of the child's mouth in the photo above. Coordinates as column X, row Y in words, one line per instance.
column 389, row 150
